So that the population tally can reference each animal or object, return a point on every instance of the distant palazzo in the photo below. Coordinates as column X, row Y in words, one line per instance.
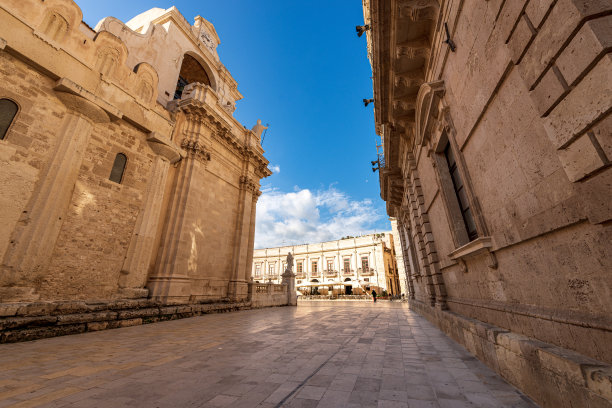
column 124, row 173
column 352, row 265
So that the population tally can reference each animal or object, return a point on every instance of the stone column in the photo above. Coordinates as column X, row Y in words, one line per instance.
column 136, row 264
column 251, row 245
column 238, row 286
column 34, row 240
column 171, row 282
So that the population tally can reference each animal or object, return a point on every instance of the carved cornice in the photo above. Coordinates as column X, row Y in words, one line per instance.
column 195, row 150
column 247, row 184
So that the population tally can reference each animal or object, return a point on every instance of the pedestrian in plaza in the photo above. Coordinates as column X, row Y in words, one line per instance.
column 374, row 295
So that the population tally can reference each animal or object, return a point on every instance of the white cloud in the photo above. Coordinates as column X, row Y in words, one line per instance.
column 304, row 216
column 275, row 169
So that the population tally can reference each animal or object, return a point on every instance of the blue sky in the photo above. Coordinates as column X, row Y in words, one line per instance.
column 301, row 68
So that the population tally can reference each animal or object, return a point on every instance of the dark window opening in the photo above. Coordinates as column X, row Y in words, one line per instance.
column 464, row 205
column 191, row 71
column 8, row 110
column 118, row 168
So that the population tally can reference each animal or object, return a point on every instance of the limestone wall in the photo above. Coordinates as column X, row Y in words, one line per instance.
column 179, row 224
column 522, row 103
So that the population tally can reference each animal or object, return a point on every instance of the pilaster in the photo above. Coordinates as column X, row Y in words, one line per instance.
column 34, row 239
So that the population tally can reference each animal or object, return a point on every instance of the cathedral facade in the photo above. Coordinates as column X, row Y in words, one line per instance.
column 124, row 173
column 496, row 134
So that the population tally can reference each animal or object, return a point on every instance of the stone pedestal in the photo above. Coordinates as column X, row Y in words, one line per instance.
column 289, row 280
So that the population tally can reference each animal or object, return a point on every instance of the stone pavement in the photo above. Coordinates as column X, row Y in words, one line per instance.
column 343, row 354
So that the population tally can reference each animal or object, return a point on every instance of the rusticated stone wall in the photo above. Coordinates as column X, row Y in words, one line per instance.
column 523, row 103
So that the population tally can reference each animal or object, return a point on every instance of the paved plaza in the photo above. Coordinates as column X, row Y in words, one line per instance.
column 320, row 354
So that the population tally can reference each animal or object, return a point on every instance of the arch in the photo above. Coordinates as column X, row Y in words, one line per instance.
column 314, row 281
column 118, row 169
column 193, row 69
column 8, row 111
column 348, row 280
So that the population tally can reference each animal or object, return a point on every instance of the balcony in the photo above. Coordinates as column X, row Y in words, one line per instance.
column 365, row 271
column 347, row 271
column 300, row 275
column 331, row 273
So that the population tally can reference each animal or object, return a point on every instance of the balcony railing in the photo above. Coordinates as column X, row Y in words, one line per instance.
column 331, row 273
column 365, row 271
column 347, row 271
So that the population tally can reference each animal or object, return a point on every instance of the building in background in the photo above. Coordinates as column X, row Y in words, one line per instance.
column 124, row 173
column 496, row 128
column 349, row 266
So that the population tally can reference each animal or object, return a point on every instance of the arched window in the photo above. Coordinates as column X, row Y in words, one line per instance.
column 8, row 110
column 191, row 71
column 118, row 168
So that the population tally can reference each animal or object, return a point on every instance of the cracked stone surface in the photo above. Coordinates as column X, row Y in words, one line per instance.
column 343, row 354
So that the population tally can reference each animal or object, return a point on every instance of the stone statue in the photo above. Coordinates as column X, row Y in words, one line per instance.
column 289, row 262
column 259, row 128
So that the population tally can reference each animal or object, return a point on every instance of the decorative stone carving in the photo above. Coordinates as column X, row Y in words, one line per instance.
column 195, row 150
column 111, row 54
column 55, row 26
column 418, row 9
column 247, row 184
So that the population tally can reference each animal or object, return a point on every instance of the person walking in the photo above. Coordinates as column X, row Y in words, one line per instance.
column 374, row 295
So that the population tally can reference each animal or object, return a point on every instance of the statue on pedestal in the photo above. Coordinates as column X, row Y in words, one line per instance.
column 259, row 128
column 289, row 280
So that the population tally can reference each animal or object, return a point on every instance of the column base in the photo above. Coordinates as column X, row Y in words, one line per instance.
column 238, row 290
column 174, row 289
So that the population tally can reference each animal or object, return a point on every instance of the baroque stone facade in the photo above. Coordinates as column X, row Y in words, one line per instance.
column 346, row 266
column 497, row 141
column 124, row 173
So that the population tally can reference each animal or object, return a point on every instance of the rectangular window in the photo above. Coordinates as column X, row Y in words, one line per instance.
column 330, row 265
column 365, row 264
column 271, row 270
column 258, row 270
column 315, row 267
column 300, row 266
column 347, row 265
column 464, row 205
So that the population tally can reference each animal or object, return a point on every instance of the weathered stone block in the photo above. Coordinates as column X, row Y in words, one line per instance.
column 36, row 309
column 594, row 38
column 9, row 309
column 86, row 317
column 33, row 321
column 131, row 314
column 547, row 92
column 599, row 380
column 71, row 308
column 521, row 36
column 590, row 100
column 96, row 326
column 536, row 10
column 603, row 134
column 580, row 158
column 125, row 323
column 562, row 21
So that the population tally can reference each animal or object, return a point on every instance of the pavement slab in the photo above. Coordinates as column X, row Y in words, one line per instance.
column 333, row 354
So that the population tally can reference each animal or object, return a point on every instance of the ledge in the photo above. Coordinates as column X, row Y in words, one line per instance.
column 476, row 247
column 479, row 246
